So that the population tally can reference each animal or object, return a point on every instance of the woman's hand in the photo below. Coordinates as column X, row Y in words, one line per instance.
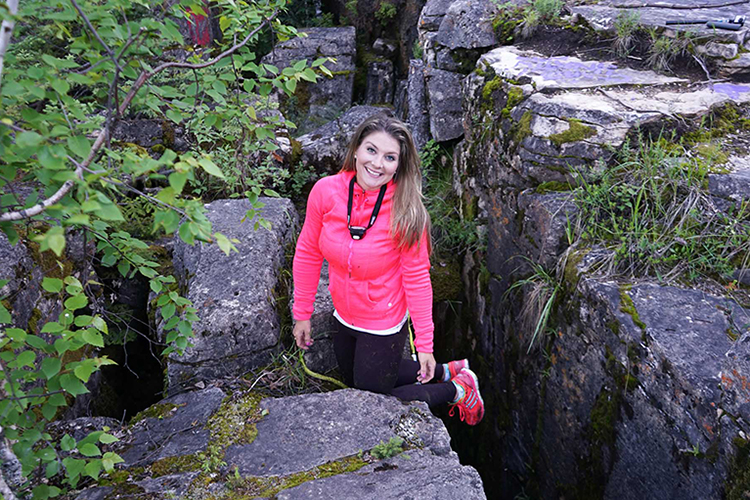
column 426, row 367
column 301, row 332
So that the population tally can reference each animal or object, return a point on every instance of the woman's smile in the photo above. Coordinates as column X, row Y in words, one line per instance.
column 377, row 159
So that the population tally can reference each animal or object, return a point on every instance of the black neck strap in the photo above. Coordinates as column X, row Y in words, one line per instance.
column 358, row 232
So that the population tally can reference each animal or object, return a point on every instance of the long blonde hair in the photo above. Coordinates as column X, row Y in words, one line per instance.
column 409, row 217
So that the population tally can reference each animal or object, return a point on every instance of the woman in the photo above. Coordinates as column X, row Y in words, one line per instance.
column 370, row 224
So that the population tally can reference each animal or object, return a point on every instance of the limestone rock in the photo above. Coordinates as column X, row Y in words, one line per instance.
column 445, row 110
column 735, row 67
column 320, row 357
column 150, row 133
column 322, row 101
column 734, row 185
column 384, row 48
column 380, row 83
column 565, row 72
column 723, row 50
column 324, row 147
column 283, row 441
column 234, row 295
column 417, row 115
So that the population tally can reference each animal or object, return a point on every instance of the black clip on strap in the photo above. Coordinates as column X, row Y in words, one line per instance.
column 358, row 232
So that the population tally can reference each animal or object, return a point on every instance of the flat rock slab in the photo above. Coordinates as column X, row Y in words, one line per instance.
column 565, row 72
column 603, row 15
column 302, row 432
column 734, row 185
column 421, row 476
column 443, row 89
column 239, row 323
column 176, row 426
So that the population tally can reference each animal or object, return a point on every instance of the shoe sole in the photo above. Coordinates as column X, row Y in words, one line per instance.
column 476, row 388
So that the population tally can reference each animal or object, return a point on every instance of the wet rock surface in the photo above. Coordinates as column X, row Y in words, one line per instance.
column 234, row 294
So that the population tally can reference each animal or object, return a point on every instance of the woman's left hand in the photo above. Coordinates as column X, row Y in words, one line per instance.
column 426, row 367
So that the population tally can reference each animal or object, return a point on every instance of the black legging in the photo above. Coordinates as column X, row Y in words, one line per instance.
column 374, row 363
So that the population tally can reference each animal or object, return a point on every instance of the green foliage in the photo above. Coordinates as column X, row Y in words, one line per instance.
column 547, row 9
column 576, row 131
column 626, row 26
column 351, row 11
column 653, row 211
column 66, row 72
column 385, row 13
column 453, row 234
column 417, row 51
column 393, row 447
column 664, row 49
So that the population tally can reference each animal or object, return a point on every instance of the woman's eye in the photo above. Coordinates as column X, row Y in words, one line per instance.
column 390, row 158
column 370, row 150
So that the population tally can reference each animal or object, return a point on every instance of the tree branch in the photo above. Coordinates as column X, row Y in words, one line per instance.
column 6, row 30
column 101, row 137
column 96, row 34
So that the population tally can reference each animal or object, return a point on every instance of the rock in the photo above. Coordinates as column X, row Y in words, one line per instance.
column 723, row 50
column 384, row 48
column 177, row 424
column 324, row 148
column 316, row 103
column 150, row 134
column 320, row 357
column 290, row 448
column 234, row 295
column 464, row 30
column 421, row 476
column 546, row 218
column 417, row 115
column 564, row 72
column 734, row 185
column 380, row 83
column 445, row 110
column 735, row 67
column 399, row 99
column 735, row 371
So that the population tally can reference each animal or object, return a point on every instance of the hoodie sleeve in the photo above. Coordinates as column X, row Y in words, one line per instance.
column 307, row 257
column 415, row 269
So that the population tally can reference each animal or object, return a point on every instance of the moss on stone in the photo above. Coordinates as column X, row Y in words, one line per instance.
column 32, row 327
column 234, row 421
column 514, row 98
column 175, row 465
column 738, row 484
column 628, row 307
column 490, row 87
column 553, row 187
column 576, row 132
column 570, row 273
column 522, row 129
column 446, row 281
column 158, row 411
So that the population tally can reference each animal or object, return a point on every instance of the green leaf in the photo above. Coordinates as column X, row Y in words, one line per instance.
column 52, row 327
column 52, row 285
column 5, row 317
column 110, row 459
column 107, row 438
column 225, row 245
column 93, row 469
column 26, row 358
column 83, row 320
column 89, row 450
column 72, row 385
column 210, row 167
column 224, row 23
column 49, row 411
column 177, row 181
column 16, row 334
column 173, row 115
column 156, row 286
column 168, row 311
column 291, row 85
column 76, row 302
column 61, row 86
column 67, row 443
column 309, row 75
column 80, row 146
column 53, row 239
column 74, row 466
column 51, row 367
column 84, row 371
column 100, row 325
column 93, row 337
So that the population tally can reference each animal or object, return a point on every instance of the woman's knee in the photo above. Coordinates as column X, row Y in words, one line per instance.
column 381, row 385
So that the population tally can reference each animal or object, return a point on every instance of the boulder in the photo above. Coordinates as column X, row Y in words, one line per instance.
column 735, row 184
column 380, row 82
column 323, row 149
column 233, row 294
column 308, row 446
column 737, row 67
column 316, row 103
column 154, row 135
column 454, row 33
column 320, row 357
column 444, row 108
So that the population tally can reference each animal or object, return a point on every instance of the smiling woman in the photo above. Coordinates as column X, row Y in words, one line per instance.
column 369, row 223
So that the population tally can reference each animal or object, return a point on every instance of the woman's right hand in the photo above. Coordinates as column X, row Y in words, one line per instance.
column 301, row 332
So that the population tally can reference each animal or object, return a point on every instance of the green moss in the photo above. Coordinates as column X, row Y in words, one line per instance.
column 570, row 273
column 234, row 421
column 120, row 476
column 522, row 129
column 484, row 279
column 614, row 326
column 738, row 484
column 576, row 132
column 446, row 281
column 490, row 87
column 32, row 327
column 515, row 97
column 175, row 465
column 158, row 411
column 504, row 24
column 553, row 187
column 604, row 415
column 628, row 307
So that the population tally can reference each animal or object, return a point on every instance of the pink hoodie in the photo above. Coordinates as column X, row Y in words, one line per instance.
column 372, row 284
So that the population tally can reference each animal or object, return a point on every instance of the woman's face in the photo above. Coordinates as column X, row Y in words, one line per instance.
column 376, row 160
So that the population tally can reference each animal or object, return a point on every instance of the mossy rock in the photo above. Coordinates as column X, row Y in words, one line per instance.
column 446, row 281
column 576, row 132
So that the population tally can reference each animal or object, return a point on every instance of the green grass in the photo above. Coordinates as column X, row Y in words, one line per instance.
column 626, row 25
column 652, row 210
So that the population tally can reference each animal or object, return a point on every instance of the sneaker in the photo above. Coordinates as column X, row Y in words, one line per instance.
column 456, row 366
column 471, row 406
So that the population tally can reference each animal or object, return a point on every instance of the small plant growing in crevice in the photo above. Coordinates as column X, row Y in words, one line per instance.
column 664, row 50
column 383, row 450
column 626, row 26
column 385, row 13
